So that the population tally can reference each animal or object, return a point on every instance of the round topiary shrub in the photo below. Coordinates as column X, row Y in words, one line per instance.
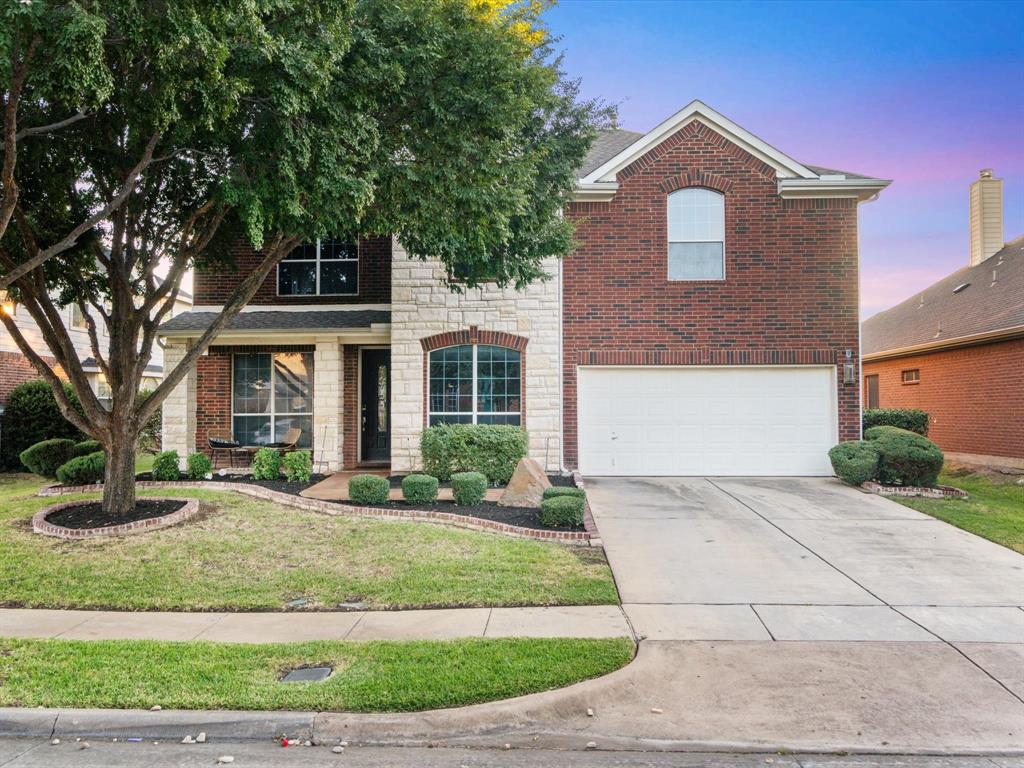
column 46, row 456
column 32, row 415
column 905, row 458
column 198, row 466
column 419, row 489
column 165, row 466
column 368, row 489
column 266, row 464
column 468, row 488
column 86, row 447
column 562, row 512
column 83, row 470
column 559, row 490
column 854, row 462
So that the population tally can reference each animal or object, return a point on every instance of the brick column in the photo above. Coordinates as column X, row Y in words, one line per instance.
column 179, row 408
column 328, row 405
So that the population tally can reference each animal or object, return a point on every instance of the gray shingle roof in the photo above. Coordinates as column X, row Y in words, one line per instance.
column 821, row 170
column 606, row 146
column 937, row 313
column 280, row 320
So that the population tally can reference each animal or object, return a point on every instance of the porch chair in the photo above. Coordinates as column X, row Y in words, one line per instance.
column 291, row 439
column 221, row 443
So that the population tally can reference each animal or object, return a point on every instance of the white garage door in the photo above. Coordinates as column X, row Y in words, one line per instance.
column 706, row 421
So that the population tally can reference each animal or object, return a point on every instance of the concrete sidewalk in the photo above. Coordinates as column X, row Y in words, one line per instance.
column 300, row 626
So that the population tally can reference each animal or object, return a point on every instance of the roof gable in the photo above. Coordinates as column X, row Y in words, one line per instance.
column 785, row 166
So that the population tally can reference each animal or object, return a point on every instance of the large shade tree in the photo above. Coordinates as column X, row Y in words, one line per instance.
column 194, row 123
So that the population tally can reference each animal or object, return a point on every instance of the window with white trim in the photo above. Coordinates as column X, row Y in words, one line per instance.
column 696, row 234
column 323, row 268
column 475, row 384
column 271, row 393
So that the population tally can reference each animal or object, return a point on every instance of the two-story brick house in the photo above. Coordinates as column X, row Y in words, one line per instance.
column 706, row 324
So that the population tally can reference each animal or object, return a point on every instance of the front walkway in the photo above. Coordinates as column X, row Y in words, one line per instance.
column 298, row 626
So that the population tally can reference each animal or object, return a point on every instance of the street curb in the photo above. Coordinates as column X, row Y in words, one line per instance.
column 174, row 725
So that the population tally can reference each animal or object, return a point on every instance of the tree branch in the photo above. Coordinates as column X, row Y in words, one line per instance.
column 41, row 129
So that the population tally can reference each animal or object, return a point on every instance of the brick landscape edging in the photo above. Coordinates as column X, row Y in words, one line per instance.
column 41, row 525
column 332, row 508
column 938, row 492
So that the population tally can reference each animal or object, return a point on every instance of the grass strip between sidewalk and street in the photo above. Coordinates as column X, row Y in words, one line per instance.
column 994, row 509
column 368, row 677
column 244, row 554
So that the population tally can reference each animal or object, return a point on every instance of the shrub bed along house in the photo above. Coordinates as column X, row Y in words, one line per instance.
column 420, row 489
column 198, row 466
column 904, row 457
column 469, row 488
column 492, row 450
column 911, row 419
column 298, row 466
column 266, row 464
column 45, row 457
column 32, row 415
column 369, row 489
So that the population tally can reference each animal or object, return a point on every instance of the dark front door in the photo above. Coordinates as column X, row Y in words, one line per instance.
column 375, row 416
column 871, row 383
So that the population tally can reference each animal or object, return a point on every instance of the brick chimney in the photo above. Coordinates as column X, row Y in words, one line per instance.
column 986, row 216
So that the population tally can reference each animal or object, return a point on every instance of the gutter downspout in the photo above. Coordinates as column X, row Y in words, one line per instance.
column 561, row 374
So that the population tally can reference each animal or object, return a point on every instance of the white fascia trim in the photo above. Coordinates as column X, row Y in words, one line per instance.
column 862, row 189
column 595, row 192
column 294, row 307
column 783, row 164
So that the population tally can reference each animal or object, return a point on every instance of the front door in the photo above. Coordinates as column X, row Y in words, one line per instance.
column 375, row 416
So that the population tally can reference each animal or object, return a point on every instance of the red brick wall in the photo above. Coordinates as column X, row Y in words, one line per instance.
column 973, row 396
column 15, row 369
column 790, row 293
column 350, row 427
column 214, row 286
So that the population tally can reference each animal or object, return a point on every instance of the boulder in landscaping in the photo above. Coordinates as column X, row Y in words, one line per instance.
column 526, row 488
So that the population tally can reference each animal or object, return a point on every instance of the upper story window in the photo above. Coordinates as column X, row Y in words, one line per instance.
column 696, row 235
column 475, row 384
column 323, row 268
column 77, row 318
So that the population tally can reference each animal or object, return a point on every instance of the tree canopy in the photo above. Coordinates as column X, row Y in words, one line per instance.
column 143, row 136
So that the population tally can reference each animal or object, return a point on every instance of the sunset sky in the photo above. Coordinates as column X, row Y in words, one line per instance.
column 922, row 93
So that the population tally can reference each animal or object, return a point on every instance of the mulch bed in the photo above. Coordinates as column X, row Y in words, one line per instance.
column 281, row 486
column 84, row 516
column 524, row 517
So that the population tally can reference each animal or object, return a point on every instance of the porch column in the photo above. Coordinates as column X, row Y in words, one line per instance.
column 179, row 408
column 328, row 405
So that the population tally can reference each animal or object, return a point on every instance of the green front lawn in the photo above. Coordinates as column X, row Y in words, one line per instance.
column 246, row 554
column 994, row 510
column 369, row 677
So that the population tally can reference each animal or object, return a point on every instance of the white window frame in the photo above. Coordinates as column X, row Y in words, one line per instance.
column 476, row 411
column 318, row 261
column 78, row 326
column 668, row 250
column 273, row 413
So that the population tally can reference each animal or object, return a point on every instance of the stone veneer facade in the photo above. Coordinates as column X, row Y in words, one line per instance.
column 422, row 306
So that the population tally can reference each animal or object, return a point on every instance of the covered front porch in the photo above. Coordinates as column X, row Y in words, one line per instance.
column 323, row 375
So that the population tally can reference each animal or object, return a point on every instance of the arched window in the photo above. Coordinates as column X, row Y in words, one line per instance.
column 696, row 234
column 475, row 384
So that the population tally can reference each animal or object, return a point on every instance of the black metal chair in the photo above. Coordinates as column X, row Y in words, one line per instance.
column 220, row 443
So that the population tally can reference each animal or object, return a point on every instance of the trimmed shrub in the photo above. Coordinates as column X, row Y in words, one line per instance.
column 46, row 456
column 854, row 462
column 910, row 419
column 419, row 489
column 298, row 466
column 490, row 449
column 83, row 470
column 198, row 466
column 469, row 488
column 266, row 464
column 905, row 457
column 31, row 416
column 86, row 447
column 368, row 489
column 560, row 490
column 165, row 466
column 562, row 512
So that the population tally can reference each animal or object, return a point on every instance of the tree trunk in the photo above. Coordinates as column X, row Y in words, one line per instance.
column 119, row 474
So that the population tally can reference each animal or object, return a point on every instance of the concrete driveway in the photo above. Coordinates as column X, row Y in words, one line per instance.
column 799, row 559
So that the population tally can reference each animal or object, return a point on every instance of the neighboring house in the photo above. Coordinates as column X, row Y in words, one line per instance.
column 706, row 324
column 16, row 369
column 956, row 349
